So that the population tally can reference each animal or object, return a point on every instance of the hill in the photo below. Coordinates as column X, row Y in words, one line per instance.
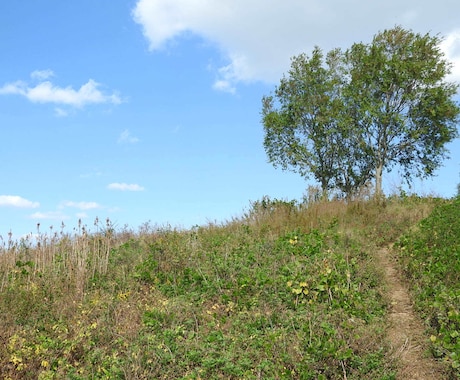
column 287, row 291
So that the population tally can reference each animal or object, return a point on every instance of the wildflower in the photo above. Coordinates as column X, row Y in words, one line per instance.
column 293, row 241
column 123, row 296
column 15, row 359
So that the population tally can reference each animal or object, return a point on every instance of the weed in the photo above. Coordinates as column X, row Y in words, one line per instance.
column 287, row 291
column 430, row 255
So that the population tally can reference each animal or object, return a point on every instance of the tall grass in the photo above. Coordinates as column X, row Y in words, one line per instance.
column 57, row 256
column 288, row 290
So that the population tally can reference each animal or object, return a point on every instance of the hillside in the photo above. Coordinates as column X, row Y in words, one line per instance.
column 286, row 291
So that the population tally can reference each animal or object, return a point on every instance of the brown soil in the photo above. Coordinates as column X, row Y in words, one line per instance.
column 406, row 333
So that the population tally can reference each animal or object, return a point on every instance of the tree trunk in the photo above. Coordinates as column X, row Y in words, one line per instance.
column 378, row 181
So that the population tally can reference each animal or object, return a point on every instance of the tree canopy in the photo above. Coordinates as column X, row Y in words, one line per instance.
column 346, row 116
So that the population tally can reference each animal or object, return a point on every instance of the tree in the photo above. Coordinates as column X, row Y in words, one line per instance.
column 300, row 135
column 349, row 117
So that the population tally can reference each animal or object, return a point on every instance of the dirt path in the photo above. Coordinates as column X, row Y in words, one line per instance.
column 406, row 331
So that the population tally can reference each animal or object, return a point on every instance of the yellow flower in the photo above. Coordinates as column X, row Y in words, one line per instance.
column 303, row 284
column 45, row 363
column 15, row 359
column 123, row 296
column 293, row 241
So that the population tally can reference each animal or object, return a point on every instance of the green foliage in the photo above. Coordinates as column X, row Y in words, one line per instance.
column 289, row 291
column 345, row 117
column 309, row 133
column 431, row 257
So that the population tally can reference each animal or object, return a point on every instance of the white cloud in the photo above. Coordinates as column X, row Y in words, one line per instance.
column 46, row 92
column 59, row 112
column 125, row 187
column 17, row 201
column 42, row 74
column 257, row 38
column 126, row 137
column 15, row 88
column 80, row 205
column 451, row 48
column 224, row 85
column 51, row 215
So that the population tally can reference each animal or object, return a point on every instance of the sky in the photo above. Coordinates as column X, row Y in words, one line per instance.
column 149, row 111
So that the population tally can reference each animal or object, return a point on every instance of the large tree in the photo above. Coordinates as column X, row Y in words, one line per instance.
column 301, row 133
column 347, row 118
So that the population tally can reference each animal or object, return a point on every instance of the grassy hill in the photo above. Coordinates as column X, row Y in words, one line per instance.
column 287, row 291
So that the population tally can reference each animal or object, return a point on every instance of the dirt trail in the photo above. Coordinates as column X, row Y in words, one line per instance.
column 406, row 331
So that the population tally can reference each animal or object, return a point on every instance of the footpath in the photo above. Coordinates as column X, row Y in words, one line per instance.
column 405, row 332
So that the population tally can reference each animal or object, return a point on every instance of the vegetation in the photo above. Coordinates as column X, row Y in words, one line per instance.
column 430, row 255
column 347, row 117
column 288, row 291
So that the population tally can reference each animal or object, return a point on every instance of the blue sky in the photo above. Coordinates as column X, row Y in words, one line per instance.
column 150, row 110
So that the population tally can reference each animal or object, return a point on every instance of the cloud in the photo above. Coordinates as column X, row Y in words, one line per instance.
column 46, row 92
column 17, row 201
column 59, row 112
column 224, row 85
column 15, row 88
column 126, row 137
column 125, row 187
column 257, row 38
column 50, row 215
column 60, row 215
column 42, row 74
column 451, row 48
column 80, row 205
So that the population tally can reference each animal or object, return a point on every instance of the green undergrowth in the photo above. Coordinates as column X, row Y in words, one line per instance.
column 287, row 291
column 430, row 256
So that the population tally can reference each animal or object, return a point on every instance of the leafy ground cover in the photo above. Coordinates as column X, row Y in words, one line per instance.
column 287, row 291
column 430, row 256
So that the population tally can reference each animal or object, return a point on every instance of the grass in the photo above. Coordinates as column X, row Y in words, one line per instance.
column 430, row 256
column 287, row 291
